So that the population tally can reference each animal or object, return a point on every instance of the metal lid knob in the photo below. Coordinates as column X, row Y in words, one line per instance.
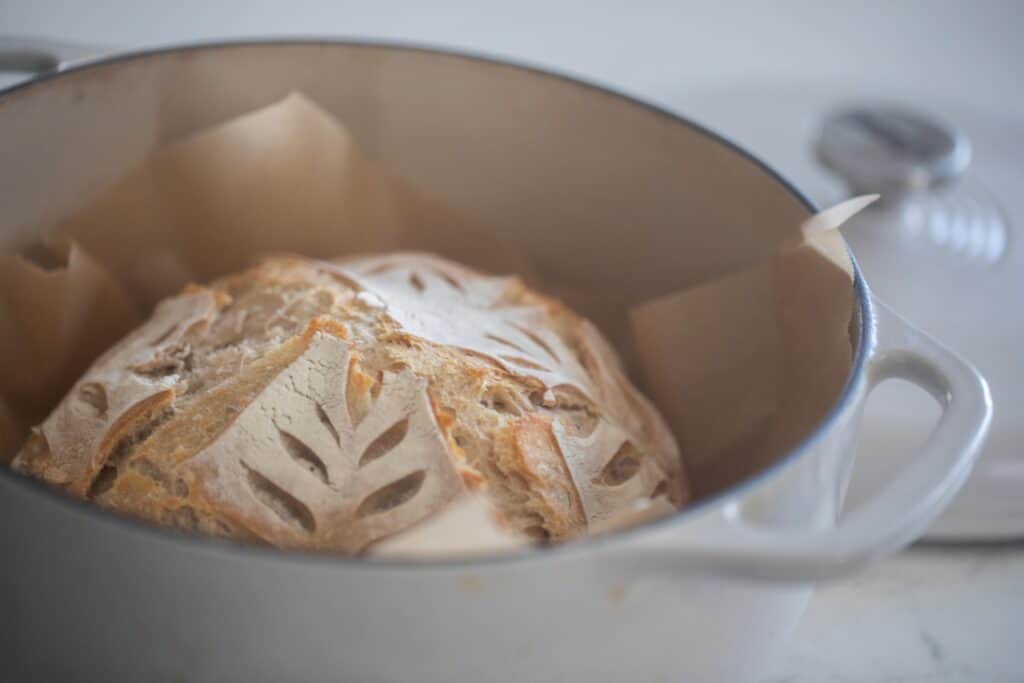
column 891, row 151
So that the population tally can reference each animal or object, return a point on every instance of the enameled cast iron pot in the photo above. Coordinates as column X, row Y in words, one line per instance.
column 703, row 596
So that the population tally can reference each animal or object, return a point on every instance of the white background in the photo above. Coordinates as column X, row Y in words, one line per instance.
column 935, row 49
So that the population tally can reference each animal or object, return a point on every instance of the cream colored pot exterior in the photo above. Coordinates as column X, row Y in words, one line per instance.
column 704, row 596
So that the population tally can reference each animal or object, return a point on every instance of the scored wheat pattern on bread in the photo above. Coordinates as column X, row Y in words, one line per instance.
column 317, row 461
column 327, row 405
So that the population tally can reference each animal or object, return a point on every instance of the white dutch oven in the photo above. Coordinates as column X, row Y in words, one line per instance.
column 703, row 596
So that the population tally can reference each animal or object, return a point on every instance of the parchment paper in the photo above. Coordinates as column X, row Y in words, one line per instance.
column 466, row 527
column 741, row 366
column 745, row 365
column 284, row 178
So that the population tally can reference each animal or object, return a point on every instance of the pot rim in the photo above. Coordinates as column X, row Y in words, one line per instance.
column 865, row 340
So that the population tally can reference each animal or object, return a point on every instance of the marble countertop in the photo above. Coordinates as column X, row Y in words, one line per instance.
column 953, row 614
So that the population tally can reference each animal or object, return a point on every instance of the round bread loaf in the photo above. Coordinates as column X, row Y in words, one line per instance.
column 327, row 405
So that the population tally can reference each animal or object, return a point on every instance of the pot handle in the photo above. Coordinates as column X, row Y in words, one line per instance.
column 897, row 514
column 41, row 56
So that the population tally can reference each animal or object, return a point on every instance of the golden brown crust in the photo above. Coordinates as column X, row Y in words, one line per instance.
column 325, row 406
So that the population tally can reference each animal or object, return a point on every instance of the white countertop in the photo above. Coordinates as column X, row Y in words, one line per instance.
column 930, row 614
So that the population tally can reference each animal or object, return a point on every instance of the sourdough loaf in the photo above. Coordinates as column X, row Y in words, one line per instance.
column 327, row 405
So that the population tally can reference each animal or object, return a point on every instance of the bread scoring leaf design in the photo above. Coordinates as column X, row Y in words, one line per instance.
column 609, row 473
column 296, row 469
column 441, row 302
column 118, row 393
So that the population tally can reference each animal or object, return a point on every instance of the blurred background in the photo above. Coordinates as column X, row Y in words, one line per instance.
column 769, row 75
column 915, row 48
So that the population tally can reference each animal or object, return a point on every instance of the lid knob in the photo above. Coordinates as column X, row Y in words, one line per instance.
column 890, row 150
